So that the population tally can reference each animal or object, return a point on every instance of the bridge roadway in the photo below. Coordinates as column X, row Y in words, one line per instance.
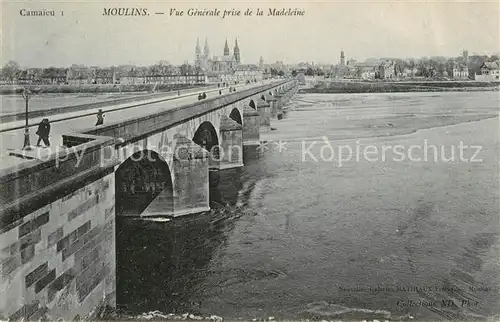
column 12, row 133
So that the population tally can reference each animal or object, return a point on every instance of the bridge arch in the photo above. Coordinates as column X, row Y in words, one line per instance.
column 236, row 116
column 252, row 104
column 206, row 137
column 139, row 180
column 263, row 97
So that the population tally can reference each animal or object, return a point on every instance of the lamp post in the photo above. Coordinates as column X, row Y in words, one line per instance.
column 27, row 146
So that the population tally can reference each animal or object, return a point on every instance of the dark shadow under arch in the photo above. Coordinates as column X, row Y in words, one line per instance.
column 252, row 104
column 206, row 137
column 139, row 180
column 236, row 116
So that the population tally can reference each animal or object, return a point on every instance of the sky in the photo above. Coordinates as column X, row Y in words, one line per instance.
column 363, row 29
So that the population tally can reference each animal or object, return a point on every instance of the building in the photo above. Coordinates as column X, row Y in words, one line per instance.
column 261, row 63
column 301, row 77
column 386, row 70
column 104, row 76
column 489, row 72
column 458, row 71
column 54, row 76
column 30, row 76
column 225, row 63
column 248, row 72
column 340, row 70
column 366, row 70
column 79, row 75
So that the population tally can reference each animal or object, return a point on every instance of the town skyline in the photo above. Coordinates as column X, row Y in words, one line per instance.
column 375, row 31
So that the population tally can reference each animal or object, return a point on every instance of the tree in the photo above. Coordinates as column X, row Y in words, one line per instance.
column 410, row 64
column 475, row 63
column 11, row 70
column 294, row 72
column 50, row 73
column 165, row 68
column 309, row 72
column 186, row 69
column 423, row 68
column 281, row 73
column 493, row 58
column 399, row 67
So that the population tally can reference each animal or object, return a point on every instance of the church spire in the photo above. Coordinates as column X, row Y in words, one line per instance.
column 236, row 51
column 226, row 49
column 206, row 50
column 198, row 50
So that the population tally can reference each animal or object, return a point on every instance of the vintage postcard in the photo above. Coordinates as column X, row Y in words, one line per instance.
column 250, row 161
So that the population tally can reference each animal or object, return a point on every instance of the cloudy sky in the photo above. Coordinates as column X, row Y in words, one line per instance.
column 361, row 28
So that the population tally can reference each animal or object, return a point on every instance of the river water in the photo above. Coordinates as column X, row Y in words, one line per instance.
column 12, row 104
column 305, row 234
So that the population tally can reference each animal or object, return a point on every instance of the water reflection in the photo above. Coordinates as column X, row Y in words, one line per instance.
column 162, row 266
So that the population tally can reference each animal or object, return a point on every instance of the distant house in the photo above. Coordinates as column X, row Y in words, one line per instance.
column 248, row 72
column 104, row 76
column 301, row 77
column 458, row 71
column 134, row 76
column 386, row 70
column 30, row 76
column 54, row 76
column 408, row 72
column 489, row 72
column 366, row 70
column 79, row 75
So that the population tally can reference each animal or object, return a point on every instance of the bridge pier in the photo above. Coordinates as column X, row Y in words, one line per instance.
column 279, row 105
column 264, row 110
column 272, row 103
column 231, row 147
column 190, row 172
column 251, row 126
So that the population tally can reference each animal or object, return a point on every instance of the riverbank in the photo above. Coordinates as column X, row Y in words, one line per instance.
column 100, row 88
column 333, row 87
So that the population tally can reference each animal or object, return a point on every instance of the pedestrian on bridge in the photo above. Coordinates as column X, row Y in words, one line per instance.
column 43, row 132
column 100, row 118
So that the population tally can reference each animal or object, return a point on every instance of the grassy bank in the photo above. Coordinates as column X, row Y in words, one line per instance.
column 389, row 87
column 69, row 89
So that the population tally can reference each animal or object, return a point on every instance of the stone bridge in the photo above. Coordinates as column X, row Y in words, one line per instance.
column 57, row 215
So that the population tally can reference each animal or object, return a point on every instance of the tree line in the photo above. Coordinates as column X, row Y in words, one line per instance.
column 11, row 71
column 425, row 67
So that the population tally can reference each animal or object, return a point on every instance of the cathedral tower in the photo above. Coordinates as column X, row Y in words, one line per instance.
column 206, row 50
column 342, row 58
column 237, row 52
column 226, row 49
column 197, row 55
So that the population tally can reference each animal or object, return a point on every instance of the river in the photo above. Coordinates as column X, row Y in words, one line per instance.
column 12, row 104
column 307, row 234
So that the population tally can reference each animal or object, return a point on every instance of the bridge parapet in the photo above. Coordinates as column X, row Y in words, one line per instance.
column 55, row 213
column 137, row 129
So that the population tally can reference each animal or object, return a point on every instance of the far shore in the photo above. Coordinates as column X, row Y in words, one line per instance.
column 94, row 88
column 351, row 86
